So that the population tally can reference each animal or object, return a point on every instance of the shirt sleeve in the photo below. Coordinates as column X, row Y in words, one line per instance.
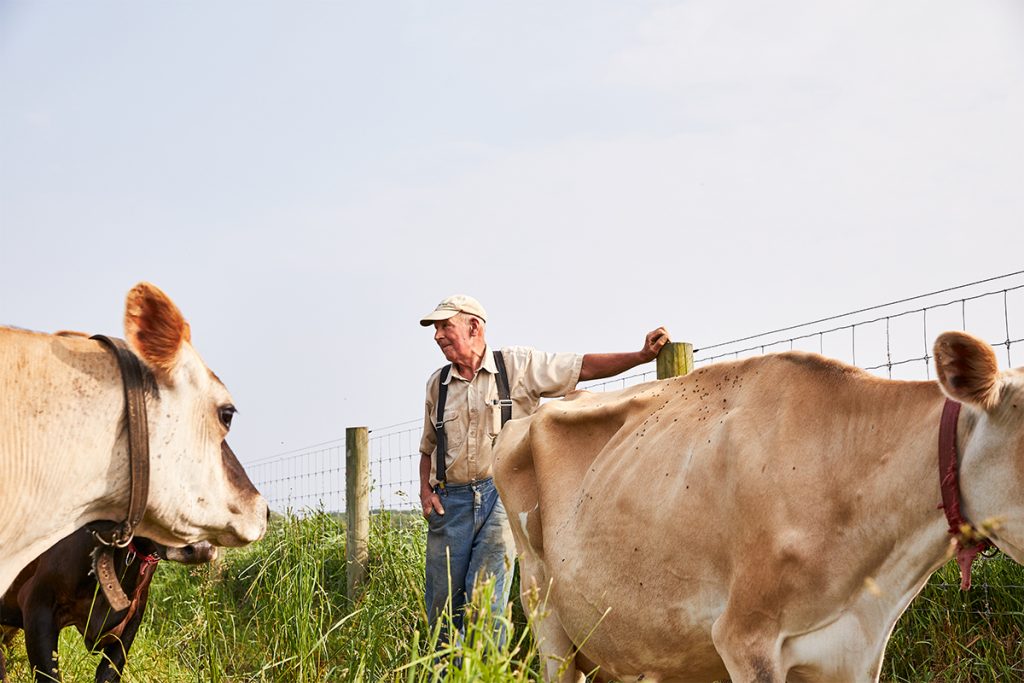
column 545, row 375
column 428, row 441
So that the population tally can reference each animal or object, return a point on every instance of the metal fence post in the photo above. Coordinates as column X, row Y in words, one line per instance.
column 357, row 507
column 675, row 359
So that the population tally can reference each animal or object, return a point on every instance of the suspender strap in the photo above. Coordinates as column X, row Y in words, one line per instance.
column 503, row 393
column 442, row 437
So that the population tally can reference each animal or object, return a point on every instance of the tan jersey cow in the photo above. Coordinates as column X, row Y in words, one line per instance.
column 63, row 444
column 763, row 520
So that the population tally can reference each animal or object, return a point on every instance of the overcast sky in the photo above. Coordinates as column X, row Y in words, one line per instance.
column 307, row 179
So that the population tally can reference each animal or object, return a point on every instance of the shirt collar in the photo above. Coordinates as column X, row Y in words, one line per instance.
column 488, row 365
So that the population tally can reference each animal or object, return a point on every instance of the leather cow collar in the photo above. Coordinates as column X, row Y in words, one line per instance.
column 112, row 534
column 969, row 539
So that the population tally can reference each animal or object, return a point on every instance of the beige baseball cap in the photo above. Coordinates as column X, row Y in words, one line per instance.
column 459, row 303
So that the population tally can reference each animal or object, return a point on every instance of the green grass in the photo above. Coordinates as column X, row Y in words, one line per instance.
column 950, row 635
column 276, row 612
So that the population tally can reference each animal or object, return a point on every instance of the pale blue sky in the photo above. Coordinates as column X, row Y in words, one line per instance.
column 306, row 179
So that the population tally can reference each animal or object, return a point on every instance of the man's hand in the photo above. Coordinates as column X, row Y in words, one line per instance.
column 653, row 343
column 429, row 502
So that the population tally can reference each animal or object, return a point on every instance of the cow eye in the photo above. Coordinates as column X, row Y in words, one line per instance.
column 225, row 413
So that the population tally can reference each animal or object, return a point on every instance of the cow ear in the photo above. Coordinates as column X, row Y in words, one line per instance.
column 967, row 369
column 155, row 328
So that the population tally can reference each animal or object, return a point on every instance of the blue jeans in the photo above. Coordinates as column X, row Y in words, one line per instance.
column 475, row 533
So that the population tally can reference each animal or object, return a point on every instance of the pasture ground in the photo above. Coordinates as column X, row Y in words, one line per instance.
column 276, row 612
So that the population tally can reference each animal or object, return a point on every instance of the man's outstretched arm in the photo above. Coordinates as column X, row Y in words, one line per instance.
column 601, row 365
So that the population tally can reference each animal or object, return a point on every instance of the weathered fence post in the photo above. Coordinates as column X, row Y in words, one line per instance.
column 357, row 507
column 675, row 359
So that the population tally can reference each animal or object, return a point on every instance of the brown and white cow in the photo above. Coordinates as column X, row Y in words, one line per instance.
column 63, row 443
column 760, row 520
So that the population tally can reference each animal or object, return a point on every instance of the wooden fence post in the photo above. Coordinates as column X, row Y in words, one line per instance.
column 675, row 359
column 357, row 507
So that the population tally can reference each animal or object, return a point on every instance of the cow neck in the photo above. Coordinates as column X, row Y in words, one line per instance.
column 118, row 535
column 969, row 539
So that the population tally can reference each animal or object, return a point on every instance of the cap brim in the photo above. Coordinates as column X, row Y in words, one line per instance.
column 435, row 316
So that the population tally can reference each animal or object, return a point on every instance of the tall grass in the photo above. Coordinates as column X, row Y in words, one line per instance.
column 950, row 635
column 276, row 612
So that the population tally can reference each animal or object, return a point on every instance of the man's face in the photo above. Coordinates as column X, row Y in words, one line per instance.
column 454, row 337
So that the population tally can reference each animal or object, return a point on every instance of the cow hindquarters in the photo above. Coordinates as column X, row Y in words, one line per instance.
column 517, row 482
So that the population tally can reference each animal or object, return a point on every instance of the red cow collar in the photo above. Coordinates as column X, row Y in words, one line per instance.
column 969, row 540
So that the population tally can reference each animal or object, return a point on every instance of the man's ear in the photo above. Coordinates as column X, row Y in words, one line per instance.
column 474, row 326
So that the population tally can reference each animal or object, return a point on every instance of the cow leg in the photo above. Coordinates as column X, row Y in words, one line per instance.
column 41, row 644
column 557, row 652
column 113, row 658
column 749, row 651
column 115, row 655
column 6, row 638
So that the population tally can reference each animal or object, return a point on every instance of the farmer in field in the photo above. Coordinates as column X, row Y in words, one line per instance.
column 467, row 403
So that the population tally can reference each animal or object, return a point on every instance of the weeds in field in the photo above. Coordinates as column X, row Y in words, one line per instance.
column 276, row 612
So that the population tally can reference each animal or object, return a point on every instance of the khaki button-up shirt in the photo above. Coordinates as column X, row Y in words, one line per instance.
column 472, row 416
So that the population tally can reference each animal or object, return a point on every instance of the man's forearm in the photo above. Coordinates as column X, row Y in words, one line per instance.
column 424, row 473
column 601, row 365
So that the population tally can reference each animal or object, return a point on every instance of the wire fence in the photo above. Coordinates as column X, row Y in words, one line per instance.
column 307, row 478
column 892, row 340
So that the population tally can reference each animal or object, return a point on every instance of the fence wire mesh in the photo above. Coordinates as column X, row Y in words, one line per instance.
column 891, row 340
column 303, row 479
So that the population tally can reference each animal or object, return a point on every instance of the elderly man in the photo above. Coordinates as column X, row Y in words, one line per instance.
column 469, row 536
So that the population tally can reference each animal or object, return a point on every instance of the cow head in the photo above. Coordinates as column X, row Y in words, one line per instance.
column 992, row 424
column 193, row 553
column 198, row 490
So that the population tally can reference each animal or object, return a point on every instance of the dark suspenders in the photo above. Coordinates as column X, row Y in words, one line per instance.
column 504, row 400
column 442, row 437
